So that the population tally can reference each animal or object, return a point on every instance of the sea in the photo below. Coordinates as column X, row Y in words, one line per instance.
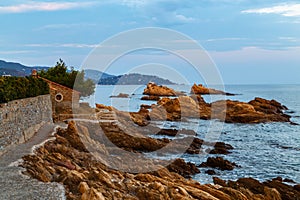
column 263, row 151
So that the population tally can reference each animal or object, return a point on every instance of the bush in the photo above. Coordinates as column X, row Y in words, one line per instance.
column 12, row 88
column 72, row 79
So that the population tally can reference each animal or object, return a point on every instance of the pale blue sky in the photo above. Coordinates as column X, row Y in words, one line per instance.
column 250, row 41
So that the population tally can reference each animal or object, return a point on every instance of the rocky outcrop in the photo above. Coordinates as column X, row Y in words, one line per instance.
column 66, row 161
column 158, row 90
column 120, row 95
column 184, row 169
column 219, row 163
column 141, row 117
column 150, row 98
column 256, row 111
column 178, row 108
column 201, row 90
column 273, row 189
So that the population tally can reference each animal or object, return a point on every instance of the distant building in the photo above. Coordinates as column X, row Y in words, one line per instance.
column 63, row 99
column 6, row 75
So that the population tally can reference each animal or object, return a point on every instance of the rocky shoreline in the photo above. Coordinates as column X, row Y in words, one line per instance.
column 107, row 159
column 68, row 161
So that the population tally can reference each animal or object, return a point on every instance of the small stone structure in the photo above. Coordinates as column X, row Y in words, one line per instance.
column 20, row 119
column 64, row 99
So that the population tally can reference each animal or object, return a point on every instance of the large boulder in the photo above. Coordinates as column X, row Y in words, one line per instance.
column 158, row 90
column 201, row 90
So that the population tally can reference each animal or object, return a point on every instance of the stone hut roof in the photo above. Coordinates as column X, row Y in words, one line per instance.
column 57, row 84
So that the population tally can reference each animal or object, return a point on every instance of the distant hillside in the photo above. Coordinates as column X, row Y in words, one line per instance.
column 96, row 75
column 134, row 79
column 16, row 69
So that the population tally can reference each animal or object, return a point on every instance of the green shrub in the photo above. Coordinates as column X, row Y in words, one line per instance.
column 72, row 79
column 12, row 88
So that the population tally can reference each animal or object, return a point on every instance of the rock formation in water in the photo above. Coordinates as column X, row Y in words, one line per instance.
column 256, row 111
column 150, row 98
column 219, row 163
column 158, row 90
column 120, row 95
column 201, row 90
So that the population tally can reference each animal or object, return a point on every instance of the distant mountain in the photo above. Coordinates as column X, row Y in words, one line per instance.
column 17, row 69
column 95, row 75
column 134, row 79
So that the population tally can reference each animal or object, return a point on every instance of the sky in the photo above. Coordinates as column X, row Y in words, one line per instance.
column 250, row 41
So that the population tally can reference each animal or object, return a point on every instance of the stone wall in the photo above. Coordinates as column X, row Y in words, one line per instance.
column 20, row 119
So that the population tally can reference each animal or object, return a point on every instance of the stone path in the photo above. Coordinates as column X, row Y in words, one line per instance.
column 14, row 185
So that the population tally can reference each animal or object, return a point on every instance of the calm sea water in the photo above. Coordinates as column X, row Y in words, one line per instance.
column 263, row 151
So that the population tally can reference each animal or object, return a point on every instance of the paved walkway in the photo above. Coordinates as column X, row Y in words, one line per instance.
column 14, row 185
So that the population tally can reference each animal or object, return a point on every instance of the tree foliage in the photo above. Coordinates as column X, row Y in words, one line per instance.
column 73, row 79
column 12, row 88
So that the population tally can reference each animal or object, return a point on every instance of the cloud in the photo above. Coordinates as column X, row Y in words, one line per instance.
column 224, row 39
column 65, row 26
column 43, row 6
column 287, row 10
column 182, row 18
column 69, row 45
column 17, row 52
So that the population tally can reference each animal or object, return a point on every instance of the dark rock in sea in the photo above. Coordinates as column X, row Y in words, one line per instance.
column 195, row 147
column 184, row 169
column 174, row 132
column 144, row 106
column 219, row 163
column 150, row 98
column 168, row 132
column 287, row 180
column 121, row 95
column 210, row 172
column 221, row 148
